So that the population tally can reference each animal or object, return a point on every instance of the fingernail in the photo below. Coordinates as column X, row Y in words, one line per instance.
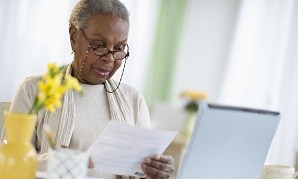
column 157, row 157
column 147, row 160
column 143, row 165
column 90, row 165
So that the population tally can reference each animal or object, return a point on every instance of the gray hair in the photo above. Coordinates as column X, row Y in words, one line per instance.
column 85, row 9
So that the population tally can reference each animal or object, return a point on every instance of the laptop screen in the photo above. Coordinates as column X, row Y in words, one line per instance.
column 228, row 143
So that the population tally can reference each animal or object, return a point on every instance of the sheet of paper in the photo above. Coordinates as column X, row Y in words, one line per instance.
column 121, row 148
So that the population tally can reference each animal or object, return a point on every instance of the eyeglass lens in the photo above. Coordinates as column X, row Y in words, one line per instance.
column 118, row 55
column 100, row 51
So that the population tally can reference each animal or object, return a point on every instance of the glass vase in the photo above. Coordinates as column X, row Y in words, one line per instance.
column 18, row 156
column 188, row 124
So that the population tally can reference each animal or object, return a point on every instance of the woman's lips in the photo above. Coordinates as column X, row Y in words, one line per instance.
column 101, row 72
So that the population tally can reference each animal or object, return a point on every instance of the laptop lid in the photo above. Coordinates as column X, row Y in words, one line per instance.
column 228, row 143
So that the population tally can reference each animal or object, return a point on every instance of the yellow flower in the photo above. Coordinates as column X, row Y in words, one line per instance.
column 51, row 88
column 53, row 69
column 72, row 83
column 194, row 97
column 53, row 101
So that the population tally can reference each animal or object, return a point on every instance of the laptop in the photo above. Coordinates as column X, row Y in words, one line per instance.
column 228, row 143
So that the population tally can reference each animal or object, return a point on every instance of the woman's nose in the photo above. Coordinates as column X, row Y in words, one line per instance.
column 108, row 58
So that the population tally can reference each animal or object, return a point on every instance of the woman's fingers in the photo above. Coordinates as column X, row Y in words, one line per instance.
column 159, row 166
column 165, row 158
column 90, row 163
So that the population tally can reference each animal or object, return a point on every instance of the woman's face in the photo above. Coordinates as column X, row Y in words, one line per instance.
column 103, row 31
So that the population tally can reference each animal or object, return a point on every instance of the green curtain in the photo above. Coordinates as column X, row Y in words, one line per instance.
column 164, row 54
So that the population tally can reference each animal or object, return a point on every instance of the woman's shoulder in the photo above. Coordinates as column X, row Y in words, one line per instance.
column 30, row 83
column 24, row 97
column 125, row 88
column 32, row 79
column 128, row 90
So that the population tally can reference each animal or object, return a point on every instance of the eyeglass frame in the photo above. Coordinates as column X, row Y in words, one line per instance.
column 108, row 51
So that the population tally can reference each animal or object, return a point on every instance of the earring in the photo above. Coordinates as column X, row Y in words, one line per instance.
column 73, row 51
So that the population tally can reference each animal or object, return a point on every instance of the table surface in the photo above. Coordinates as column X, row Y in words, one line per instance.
column 43, row 175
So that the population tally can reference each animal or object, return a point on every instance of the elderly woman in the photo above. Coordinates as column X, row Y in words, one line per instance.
column 98, row 32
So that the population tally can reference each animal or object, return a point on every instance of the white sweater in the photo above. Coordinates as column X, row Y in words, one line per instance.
column 91, row 113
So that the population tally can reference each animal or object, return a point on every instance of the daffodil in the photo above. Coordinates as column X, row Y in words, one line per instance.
column 51, row 88
column 193, row 98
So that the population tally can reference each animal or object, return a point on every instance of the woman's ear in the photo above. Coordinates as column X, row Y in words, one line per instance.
column 73, row 35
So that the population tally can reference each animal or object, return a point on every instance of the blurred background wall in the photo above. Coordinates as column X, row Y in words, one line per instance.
column 240, row 52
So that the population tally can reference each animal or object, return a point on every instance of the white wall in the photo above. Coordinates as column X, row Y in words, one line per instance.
column 34, row 33
column 206, row 41
column 143, row 15
column 208, row 29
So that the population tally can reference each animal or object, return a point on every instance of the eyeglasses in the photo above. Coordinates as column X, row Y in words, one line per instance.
column 101, row 51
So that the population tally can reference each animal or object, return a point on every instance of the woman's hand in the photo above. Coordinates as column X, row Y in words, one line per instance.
column 158, row 166
column 90, row 163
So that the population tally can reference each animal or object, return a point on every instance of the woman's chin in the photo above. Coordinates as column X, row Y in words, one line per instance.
column 97, row 81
